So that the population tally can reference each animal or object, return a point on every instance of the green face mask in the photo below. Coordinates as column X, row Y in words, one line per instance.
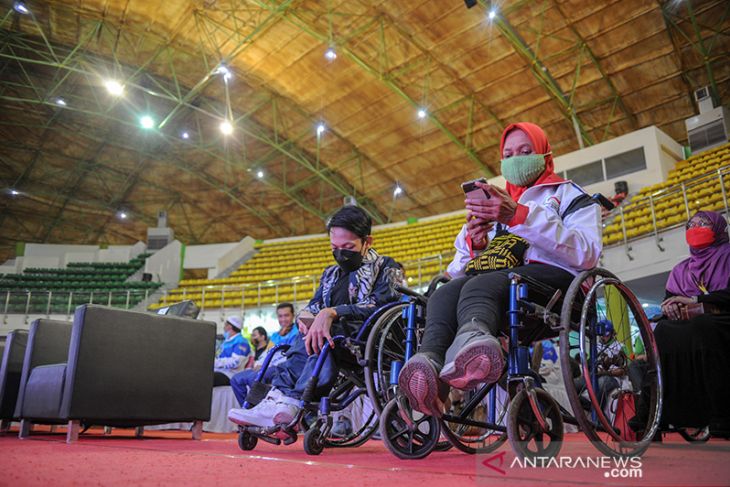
column 523, row 170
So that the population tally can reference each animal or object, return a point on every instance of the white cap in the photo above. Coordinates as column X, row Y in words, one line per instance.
column 235, row 321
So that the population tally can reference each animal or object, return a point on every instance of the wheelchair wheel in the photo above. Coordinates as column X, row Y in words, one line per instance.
column 408, row 434
column 313, row 443
column 527, row 438
column 695, row 435
column 591, row 398
column 466, row 424
column 247, row 441
column 386, row 344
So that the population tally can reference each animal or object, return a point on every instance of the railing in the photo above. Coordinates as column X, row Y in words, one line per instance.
column 65, row 302
column 267, row 293
column 690, row 203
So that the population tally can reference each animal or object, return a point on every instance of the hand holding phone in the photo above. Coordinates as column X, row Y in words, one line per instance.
column 472, row 191
column 304, row 321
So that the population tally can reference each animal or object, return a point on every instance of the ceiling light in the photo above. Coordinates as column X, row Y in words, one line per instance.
column 492, row 14
column 644, row 305
column 60, row 102
column 422, row 113
column 397, row 191
column 185, row 135
column 223, row 69
column 226, row 127
column 14, row 192
column 114, row 87
column 146, row 122
column 123, row 215
column 320, row 129
column 21, row 8
column 260, row 174
column 330, row 54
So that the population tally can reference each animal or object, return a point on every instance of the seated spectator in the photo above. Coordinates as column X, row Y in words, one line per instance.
column 693, row 338
column 350, row 291
column 611, row 366
column 233, row 352
column 261, row 345
column 288, row 332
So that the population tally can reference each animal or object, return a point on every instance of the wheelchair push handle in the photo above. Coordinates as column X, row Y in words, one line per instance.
column 603, row 201
column 439, row 279
column 410, row 292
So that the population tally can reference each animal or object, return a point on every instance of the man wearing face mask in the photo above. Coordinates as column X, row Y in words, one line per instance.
column 359, row 283
column 550, row 230
column 233, row 352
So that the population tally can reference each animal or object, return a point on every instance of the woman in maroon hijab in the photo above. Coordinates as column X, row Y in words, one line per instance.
column 694, row 339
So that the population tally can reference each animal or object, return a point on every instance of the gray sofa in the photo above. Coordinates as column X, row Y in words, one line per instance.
column 121, row 368
column 11, row 365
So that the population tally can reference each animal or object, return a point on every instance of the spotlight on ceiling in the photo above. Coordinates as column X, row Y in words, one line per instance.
column 492, row 13
column 330, row 54
column 422, row 113
column 114, row 87
column 21, row 8
column 320, row 129
column 226, row 127
column 223, row 69
column 122, row 215
column 14, row 192
column 185, row 135
column 60, row 102
column 147, row 122
column 260, row 174
column 397, row 191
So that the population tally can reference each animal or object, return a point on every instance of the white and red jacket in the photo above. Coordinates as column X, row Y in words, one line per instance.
column 574, row 243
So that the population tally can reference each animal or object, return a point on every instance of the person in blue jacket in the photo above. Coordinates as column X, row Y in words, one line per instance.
column 287, row 333
column 360, row 283
column 233, row 353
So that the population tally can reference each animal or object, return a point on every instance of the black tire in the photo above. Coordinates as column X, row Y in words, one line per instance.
column 386, row 343
column 247, row 441
column 524, row 432
column 695, row 435
column 473, row 439
column 599, row 427
column 404, row 441
column 313, row 445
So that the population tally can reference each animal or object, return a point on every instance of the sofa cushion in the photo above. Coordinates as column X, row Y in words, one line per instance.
column 43, row 392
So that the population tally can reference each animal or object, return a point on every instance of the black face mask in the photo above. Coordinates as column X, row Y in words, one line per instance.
column 348, row 260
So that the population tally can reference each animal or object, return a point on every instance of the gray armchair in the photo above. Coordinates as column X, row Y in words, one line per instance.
column 11, row 366
column 124, row 369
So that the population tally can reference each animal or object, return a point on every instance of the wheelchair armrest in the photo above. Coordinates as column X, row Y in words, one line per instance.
column 439, row 279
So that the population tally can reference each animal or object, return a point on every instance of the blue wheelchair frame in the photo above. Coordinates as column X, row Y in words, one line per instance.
column 337, row 400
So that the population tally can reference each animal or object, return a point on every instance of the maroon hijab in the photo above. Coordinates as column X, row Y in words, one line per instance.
column 710, row 265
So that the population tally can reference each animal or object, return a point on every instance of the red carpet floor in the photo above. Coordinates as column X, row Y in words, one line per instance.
column 172, row 458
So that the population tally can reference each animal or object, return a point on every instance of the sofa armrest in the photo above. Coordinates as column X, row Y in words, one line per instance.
column 11, row 366
column 138, row 367
column 43, row 392
column 48, row 343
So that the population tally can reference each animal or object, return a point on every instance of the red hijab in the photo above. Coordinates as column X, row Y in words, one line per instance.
column 541, row 146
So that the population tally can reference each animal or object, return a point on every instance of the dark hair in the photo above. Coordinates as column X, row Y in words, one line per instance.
column 285, row 305
column 352, row 218
column 261, row 331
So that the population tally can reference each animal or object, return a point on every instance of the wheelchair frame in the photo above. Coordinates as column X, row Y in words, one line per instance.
column 317, row 435
column 523, row 384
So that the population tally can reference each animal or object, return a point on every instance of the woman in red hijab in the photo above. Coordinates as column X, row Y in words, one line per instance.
column 539, row 226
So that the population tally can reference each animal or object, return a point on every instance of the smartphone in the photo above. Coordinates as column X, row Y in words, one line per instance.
column 307, row 321
column 472, row 191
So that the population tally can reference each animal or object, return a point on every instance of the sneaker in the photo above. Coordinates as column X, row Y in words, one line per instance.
column 475, row 357
column 419, row 382
column 266, row 413
column 342, row 428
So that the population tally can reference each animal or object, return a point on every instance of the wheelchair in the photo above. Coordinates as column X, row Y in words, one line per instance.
column 315, row 417
column 517, row 408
